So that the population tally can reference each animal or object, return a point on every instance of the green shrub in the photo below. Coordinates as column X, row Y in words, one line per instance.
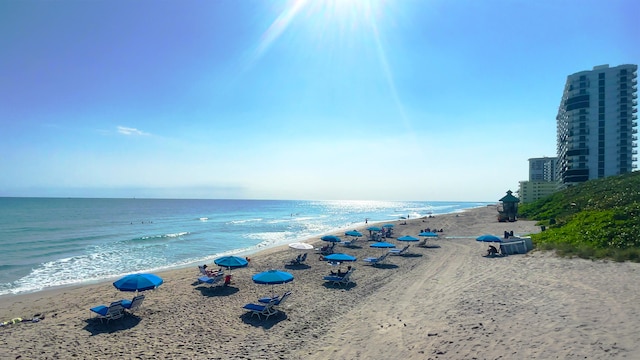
column 593, row 220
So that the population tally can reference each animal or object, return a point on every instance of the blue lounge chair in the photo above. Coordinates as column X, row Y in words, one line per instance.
column 375, row 260
column 299, row 260
column 262, row 309
column 132, row 305
column 267, row 306
column 399, row 251
column 112, row 312
column 210, row 277
column 340, row 280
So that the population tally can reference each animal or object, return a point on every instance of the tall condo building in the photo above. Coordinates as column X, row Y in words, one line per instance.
column 542, row 180
column 597, row 124
column 542, row 169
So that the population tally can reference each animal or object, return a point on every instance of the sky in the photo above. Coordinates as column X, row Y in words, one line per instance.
column 426, row 100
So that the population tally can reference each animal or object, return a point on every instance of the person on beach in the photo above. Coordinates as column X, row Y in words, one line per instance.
column 492, row 251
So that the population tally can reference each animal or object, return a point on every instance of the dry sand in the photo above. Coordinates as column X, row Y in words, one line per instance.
column 446, row 301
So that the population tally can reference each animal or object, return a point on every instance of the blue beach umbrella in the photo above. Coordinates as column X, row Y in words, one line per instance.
column 387, row 225
column 428, row 234
column 138, row 282
column 408, row 238
column 231, row 262
column 330, row 238
column 340, row 257
column 272, row 277
column 355, row 233
column 488, row 238
column 374, row 228
column 382, row 244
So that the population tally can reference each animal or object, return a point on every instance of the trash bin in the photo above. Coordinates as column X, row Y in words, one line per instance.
column 543, row 228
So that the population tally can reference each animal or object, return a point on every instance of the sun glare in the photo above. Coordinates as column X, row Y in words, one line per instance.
column 345, row 19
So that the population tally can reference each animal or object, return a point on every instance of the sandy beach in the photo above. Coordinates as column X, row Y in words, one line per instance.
column 443, row 301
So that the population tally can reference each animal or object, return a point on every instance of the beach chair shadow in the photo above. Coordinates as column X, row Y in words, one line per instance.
column 385, row 266
column 353, row 246
column 331, row 285
column 215, row 291
column 410, row 255
column 298, row 267
column 95, row 327
column 429, row 246
column 266, row 324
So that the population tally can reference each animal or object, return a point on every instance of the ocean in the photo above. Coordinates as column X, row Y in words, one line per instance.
column 49, row 242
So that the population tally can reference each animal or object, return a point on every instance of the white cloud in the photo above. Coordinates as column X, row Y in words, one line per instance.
column 131, row 131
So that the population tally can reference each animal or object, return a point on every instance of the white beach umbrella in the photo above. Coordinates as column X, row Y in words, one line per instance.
column 301, row 246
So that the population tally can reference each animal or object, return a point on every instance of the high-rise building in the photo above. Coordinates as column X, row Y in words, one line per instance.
column 597, row 124
column 542, row 169
column 542, row 180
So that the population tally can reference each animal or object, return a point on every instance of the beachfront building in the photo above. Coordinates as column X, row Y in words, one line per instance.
column 542, row 179
column 597, row 124
column 530, row 191
column 543, row 169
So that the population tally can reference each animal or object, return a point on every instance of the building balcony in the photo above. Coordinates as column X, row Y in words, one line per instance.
column 634, row 131
column 634, row 166
column 634, row 96
column 634, row 137
column 634, row 103
column 634, row 111
column 633, row 158
column 634, row 82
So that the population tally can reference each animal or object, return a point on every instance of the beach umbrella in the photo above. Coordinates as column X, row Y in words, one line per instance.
column 340, row 257
column 138, row 282
column 428, row 234
column 330, row 238
column 355, row 233
column 382, row 245
column 408, row 238
column 301, row 246
column 387, row 225
column 231, row 262
column 488, row 238
column 374, row 228
column 272, row 277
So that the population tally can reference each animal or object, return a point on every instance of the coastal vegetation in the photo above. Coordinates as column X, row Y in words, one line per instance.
column 597, row 219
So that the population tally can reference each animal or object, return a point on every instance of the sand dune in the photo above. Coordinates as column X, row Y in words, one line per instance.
column 445, row 301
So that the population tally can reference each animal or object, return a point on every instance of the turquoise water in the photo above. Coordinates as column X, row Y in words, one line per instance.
column 49, row 242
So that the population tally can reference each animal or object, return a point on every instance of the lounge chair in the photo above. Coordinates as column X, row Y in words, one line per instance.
column 112, row 312
column 327, row 249
column 211, row 280
column 350, row 243
column 210, row 273
column 267, row 306
column 298, row 260
column 399, row 251
column 375, row 260
column 132, row 305
column 281, row 299
column 210, row 277
column 262, row 309
column 340, row 280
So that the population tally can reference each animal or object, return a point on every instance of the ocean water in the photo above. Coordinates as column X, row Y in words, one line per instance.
column 48, row 242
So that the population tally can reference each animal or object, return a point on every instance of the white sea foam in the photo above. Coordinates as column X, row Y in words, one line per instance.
column 103, row 242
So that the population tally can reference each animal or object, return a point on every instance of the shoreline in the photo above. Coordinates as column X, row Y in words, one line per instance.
column 240, row 252
column 445, row 301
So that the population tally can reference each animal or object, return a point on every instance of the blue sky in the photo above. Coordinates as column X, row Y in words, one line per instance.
column 341, row 100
